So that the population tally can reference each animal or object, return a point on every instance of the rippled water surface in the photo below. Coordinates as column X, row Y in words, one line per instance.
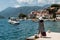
column 24, row 29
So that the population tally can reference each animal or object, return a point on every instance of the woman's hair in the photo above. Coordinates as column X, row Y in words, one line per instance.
column 41, row 21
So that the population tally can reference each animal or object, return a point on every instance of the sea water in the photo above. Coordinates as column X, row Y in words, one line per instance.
column 25, row 29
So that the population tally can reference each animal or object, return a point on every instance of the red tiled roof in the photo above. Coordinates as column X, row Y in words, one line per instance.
column 58, row 12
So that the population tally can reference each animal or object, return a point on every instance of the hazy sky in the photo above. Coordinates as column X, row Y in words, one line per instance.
column 18, row 3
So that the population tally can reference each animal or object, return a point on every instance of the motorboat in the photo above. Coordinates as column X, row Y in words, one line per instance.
column 13, row 21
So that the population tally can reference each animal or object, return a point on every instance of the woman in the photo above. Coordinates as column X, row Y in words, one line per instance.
column 41, row 28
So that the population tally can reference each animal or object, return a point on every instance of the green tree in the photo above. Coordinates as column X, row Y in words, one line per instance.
column 21, row 15
column 55, row 5
column 54, row 13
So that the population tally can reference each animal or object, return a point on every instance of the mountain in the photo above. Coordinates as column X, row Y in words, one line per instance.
column 2, row 17
column 46, row 6
column 10, row 11
column 15, row 11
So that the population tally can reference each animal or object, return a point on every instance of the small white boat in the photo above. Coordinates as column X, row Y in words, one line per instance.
column 13, row 21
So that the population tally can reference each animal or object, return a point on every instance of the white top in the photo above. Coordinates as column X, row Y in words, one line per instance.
column 40, row 18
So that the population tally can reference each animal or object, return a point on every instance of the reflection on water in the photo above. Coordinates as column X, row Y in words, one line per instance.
column 25, row 29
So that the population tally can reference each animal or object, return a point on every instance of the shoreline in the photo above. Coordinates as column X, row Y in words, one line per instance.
column 43, row 19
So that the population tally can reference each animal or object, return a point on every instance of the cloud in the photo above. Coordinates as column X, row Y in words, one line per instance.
column 51, row 1
column 41, row 1
column 37, row 2
column 16, row 6
column 47, row 1
column 22, row 1
column 58, row 2
column 27, row 1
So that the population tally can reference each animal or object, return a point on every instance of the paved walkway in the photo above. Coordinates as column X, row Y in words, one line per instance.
column 50, row 36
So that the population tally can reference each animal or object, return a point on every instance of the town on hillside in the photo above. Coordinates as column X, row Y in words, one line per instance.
column 52, row 12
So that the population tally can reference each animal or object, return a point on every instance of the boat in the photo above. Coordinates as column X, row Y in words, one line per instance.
column 13, row 21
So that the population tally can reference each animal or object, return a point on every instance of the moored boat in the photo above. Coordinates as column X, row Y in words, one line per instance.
column 13, row 21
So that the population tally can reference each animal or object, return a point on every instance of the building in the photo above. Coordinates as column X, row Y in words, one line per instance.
column 37, row 14
column 58, row 14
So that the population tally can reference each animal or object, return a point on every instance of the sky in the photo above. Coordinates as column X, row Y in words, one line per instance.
column 19, row 3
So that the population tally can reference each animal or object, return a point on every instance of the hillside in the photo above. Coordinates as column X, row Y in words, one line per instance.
column 10, row 11
column 15, row 11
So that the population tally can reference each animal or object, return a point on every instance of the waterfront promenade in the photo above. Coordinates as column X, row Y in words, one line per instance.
column 50, row 36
